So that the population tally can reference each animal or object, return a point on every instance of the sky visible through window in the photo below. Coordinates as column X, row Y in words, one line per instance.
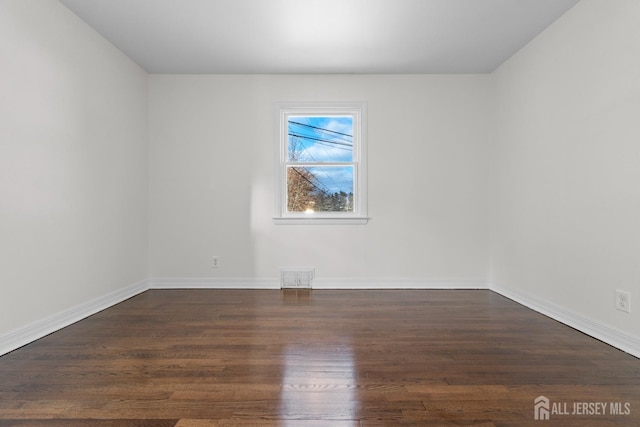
column 315, row 139
column 320, row 172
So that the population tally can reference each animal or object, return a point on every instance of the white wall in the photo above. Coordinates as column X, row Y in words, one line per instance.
column 545, row 149
column 212, row 178
column 73, row 147
column 566, row 162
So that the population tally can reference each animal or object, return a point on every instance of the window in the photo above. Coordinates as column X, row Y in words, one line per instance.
column 321, row 163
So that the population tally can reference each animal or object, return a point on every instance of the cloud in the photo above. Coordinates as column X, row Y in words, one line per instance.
column 324, row 139
column 334, row 178
column 324, row 153
column 339, row 124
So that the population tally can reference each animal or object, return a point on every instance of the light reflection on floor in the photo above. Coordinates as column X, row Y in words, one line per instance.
column 319, row 382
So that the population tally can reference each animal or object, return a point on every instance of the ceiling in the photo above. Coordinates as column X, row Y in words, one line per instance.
column 319, row 36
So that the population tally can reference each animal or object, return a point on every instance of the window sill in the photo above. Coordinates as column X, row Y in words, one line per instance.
column 320, row 221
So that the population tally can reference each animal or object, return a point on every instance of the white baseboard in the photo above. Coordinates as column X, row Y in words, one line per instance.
column 327, row 283
column 590, row 327
column 398, row 283
column 29, row 333
column 41, row 328
column 213, row 283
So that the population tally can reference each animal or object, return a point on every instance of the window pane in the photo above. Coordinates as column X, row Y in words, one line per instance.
column 320, row 139
column 320, row 188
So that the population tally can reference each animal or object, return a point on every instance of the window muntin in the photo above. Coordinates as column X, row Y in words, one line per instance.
column 321, row 162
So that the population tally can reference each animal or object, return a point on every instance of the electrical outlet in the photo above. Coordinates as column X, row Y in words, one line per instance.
column 215, row 262
column 623, row 301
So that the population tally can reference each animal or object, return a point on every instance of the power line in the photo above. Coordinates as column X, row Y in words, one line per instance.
column 322, row 170
column 319, row 134
column 343, row 144
column 322, row 137
column 325, row 192
column 319, row 128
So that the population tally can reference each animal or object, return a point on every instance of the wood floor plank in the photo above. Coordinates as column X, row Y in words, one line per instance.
column 201, row 358
column 87, row 422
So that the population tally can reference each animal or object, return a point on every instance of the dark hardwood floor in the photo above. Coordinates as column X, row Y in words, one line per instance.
column 196, row 358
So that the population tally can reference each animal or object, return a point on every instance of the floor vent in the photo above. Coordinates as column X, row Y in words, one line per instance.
column 296, row 278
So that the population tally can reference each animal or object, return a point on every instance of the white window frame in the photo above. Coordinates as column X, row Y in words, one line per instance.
column 357, row 110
